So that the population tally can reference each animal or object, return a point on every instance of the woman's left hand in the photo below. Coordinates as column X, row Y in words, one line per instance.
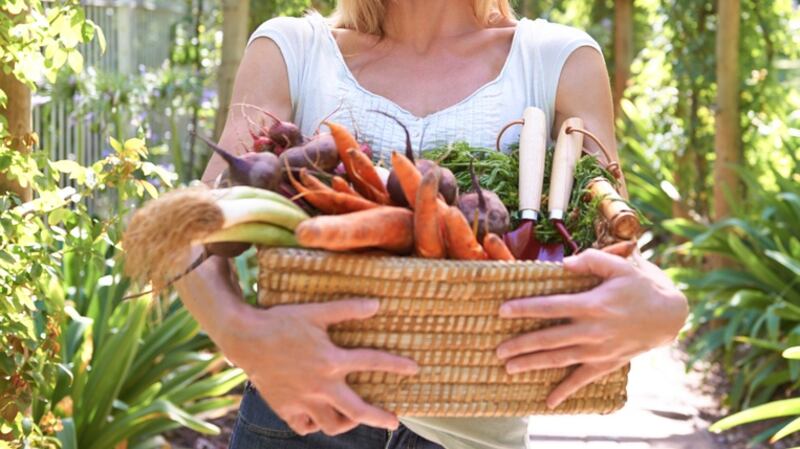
column 635, row 309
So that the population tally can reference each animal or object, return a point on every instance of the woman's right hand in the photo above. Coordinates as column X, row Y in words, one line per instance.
column 289, row 358
column 285, row 350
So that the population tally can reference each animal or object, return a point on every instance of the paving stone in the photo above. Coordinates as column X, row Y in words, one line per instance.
column 661, row 413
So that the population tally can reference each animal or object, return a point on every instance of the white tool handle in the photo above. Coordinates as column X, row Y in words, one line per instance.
column 532, row 148
column 568, row 150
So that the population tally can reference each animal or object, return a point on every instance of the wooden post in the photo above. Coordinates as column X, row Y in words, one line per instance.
column 18, row 115
column 727, row 140
column 235, row 27
column 126, row 56
column 623, row 49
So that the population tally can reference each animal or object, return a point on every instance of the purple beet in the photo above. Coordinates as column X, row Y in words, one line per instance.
column 283, row 134
column 491, row 212
column 319, row 153
column 366, row 149
column 262, row 170
column 261, row 142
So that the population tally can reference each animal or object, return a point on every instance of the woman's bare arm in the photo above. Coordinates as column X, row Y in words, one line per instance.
column 582, row 92
column 285, row 350
column 262, row 82
column 635, row 309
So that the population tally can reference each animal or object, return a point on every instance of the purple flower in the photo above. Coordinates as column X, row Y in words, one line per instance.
column 209, row 95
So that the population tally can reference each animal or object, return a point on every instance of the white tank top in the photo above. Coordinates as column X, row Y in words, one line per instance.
column 320, row 82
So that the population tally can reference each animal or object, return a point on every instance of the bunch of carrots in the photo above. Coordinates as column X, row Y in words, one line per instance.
column 358, row 212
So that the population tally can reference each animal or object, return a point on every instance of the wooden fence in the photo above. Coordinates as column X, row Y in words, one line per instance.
column 138, row 35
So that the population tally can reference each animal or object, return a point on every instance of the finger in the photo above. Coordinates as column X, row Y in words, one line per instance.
column 302, row 424
column 622, row 249
column 555, row 306
column 547, row 339
column 598, row 263
column 372, row 360
column 582, row 376
column 558, row 358
column 352, row 406
column 333, row 312
column 330, row 421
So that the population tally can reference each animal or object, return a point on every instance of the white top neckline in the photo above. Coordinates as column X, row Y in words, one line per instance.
column 321, row 86
column 354, row 81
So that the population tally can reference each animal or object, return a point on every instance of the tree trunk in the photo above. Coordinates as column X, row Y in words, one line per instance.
column 727, row 141
column 18, row 115
column 235, row 27
column 523, row 8
column 623, row 49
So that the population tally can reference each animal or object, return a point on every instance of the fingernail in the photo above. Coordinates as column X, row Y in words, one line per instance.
column 512, row 368
column 505, row 310
column 502, row 353
column 372, row 305
column 553, row 404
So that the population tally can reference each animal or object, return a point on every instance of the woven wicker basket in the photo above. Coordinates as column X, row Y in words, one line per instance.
column 443, row 314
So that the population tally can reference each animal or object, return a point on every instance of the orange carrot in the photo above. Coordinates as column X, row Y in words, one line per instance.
column 312, row 182
column 385, row 227
column 325, row 199
column 496, row 248
column 408, row 175
column 340, row 185
column 461, row 242
column 344, row 203
column 428, row 238
column 365, row 178
column 335, row 203
column 344, row 142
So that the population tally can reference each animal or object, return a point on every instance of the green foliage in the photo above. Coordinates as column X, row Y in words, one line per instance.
column 90, row 368
column 499, row 173
column 262, row 11
column 776, row 409
column 38, row 41
column 672, row 94
column 749, row 314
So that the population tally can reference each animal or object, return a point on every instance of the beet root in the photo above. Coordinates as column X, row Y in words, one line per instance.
column 493, row 218
column 261, row 170
column 285, row 134
column 319, row 153
column 396, row 193
column 448, row 186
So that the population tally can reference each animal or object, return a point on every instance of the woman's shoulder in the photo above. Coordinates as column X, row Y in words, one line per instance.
column 555, row 40
column 294, row 30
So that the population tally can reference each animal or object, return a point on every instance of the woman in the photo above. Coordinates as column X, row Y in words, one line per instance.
column 452, row 70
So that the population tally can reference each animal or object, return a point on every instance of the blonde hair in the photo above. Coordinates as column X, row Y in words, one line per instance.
column 367, row 16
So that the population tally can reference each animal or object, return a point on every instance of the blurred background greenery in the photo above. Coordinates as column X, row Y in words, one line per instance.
column 80, row 367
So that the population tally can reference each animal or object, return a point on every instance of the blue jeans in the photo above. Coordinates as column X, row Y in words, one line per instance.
column 258, row 427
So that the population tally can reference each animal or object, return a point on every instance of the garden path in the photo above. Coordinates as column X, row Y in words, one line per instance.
column 663, row 412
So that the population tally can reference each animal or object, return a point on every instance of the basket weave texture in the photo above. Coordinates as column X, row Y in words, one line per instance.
column 443, row 314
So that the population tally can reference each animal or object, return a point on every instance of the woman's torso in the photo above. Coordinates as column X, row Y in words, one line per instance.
column 322, row 84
